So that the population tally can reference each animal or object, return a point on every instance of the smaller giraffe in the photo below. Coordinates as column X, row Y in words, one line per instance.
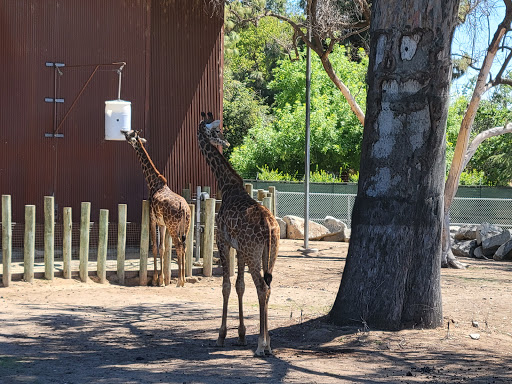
column 245, row 225
column 168, row 210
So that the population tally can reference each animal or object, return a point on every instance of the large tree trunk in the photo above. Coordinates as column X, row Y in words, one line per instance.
column 392, row 275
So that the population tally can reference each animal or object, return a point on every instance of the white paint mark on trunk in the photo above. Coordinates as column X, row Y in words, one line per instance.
column 419, row 123
column 379, row 55
column 382, row 182
column 387, row 126
column 408, row 46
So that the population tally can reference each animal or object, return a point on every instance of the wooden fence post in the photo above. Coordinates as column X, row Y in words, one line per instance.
column 6, row 239
column 121, row 242
column 189, row 247
column 209, row 222
column 101, row 264
column 29, row 243
column 85, row 228
column 186, row 194
column 67, row 241
column 49, row 237
column 261, row 194
column 249, row 188
column 144, row 244
column 267, row 202
column 166, row 258
column 272, row 190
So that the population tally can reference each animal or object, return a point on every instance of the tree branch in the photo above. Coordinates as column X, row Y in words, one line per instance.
column 496, row 131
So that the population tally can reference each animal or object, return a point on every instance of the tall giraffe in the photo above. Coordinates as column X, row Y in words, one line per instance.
column 168, row 210
column 245, row 225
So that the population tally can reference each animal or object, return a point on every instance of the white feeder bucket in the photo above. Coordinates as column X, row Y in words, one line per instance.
column 118, row 116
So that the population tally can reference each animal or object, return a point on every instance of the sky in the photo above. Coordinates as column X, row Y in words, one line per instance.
column 473, row 38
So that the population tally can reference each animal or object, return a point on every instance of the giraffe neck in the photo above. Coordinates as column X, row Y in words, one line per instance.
column 154, row 179
column 226, row 176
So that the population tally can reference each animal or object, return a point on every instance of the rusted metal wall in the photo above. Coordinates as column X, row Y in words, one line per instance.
column 186, row 78
column 166, row 98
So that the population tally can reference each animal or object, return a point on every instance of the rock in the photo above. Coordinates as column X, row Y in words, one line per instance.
column 337, row 236
column 479, row 253
column 295, row 228
column 282, row 227
column 475, row 336
column 504, row 252
column 464, row 248
column 191, row 280
column 348, row 231
column 467, row 232
column 485, row 231
column 474, row 323
column 334, row 225
column 491, row 244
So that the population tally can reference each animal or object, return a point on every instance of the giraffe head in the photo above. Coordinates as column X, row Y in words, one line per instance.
column 210, row 129
column 133, row 138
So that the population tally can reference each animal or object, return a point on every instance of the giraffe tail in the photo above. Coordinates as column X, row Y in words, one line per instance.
column 267, row 276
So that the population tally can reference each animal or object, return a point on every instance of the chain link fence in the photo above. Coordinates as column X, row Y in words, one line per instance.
column 464, row 210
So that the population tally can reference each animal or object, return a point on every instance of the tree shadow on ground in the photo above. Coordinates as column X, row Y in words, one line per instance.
column 175, row 343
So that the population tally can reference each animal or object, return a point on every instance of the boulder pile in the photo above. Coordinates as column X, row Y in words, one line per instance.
column 332, row 229
column 485, row 241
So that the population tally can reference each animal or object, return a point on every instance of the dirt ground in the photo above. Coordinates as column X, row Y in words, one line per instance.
column 70, row 332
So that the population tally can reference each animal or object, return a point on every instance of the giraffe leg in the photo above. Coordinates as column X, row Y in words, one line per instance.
column 263, row 293
column 240, row 289
column 155, row 250
column 226, row 288
column 180, row 252
column 162, row 230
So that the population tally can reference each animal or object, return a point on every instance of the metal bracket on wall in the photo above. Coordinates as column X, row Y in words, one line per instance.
column 54, row 99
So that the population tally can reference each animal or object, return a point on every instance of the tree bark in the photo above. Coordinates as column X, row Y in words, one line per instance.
column 392, row 275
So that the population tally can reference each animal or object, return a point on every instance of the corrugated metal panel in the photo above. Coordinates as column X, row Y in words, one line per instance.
column 185, row 53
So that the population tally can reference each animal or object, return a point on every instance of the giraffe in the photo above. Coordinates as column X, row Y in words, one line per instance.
column 245, row 225
column 168, row 210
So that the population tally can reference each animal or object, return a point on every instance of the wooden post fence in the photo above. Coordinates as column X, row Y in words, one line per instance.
column 6, row 239
column 166, row 258
column 121, row 242
column 101, row 264
column 189, row 247
column 261, row 194
column 29, row 243
column 207, row 249
column 49, row 237
column 249, row 188
column 85, row 227
column 67, row 243
column 144, row 244
column 272, row 190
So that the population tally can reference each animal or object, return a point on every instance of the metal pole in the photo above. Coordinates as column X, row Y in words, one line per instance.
column 307, row 159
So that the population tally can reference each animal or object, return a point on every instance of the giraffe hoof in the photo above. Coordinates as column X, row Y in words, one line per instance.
column 259, row 352
column 242, row 342
column 220, row 342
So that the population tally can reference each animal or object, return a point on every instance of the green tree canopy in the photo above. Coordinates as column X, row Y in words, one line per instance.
column 335, row 131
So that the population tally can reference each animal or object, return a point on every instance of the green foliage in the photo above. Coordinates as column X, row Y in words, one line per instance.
column 492, row 162
column 243, row 109
column 336, row 133
column 472, row 177
column 274, row 175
